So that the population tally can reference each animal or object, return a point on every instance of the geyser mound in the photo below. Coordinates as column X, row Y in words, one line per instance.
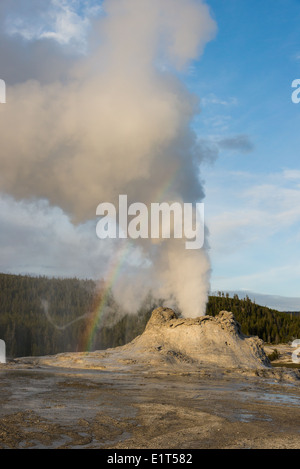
column 205, row 340
column 172, row 343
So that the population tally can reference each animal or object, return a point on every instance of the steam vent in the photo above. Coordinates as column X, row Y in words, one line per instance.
column 172, row 343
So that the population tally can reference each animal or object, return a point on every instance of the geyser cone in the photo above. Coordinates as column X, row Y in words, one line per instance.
column 169, row 342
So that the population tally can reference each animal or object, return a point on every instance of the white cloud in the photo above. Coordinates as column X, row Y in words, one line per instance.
column 276, row 280
column 293, row 174
column 254, row 225
column 66, row 22
column 40, row 240
column 254, row 210
column 213, row 99
column 218, row 122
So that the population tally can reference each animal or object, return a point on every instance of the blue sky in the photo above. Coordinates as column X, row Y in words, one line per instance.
column 252, row 194
column 248, row 125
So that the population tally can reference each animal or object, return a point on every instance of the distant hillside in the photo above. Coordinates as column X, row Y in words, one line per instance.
column 270, row 325
column 40, row 316
column 277, row 302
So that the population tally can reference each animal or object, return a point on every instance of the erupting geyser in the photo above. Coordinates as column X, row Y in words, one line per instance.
column 120, row 123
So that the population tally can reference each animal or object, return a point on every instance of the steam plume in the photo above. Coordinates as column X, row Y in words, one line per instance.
column 120, row 124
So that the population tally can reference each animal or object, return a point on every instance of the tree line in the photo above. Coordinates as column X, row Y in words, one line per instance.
column 271, row 326
column 42, row 316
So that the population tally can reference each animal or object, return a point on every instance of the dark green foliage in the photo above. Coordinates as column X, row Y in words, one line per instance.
column 31, row 328
column 41, row 316
column 268, row 324
column 274, row 355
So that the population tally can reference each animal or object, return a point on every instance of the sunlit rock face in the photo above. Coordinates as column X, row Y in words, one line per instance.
column 207, row 340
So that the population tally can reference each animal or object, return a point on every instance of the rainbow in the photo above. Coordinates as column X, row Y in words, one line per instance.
column 101, row 300
column 114, row 272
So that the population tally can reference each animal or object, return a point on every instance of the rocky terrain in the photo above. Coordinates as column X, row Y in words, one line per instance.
column 183, row 383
